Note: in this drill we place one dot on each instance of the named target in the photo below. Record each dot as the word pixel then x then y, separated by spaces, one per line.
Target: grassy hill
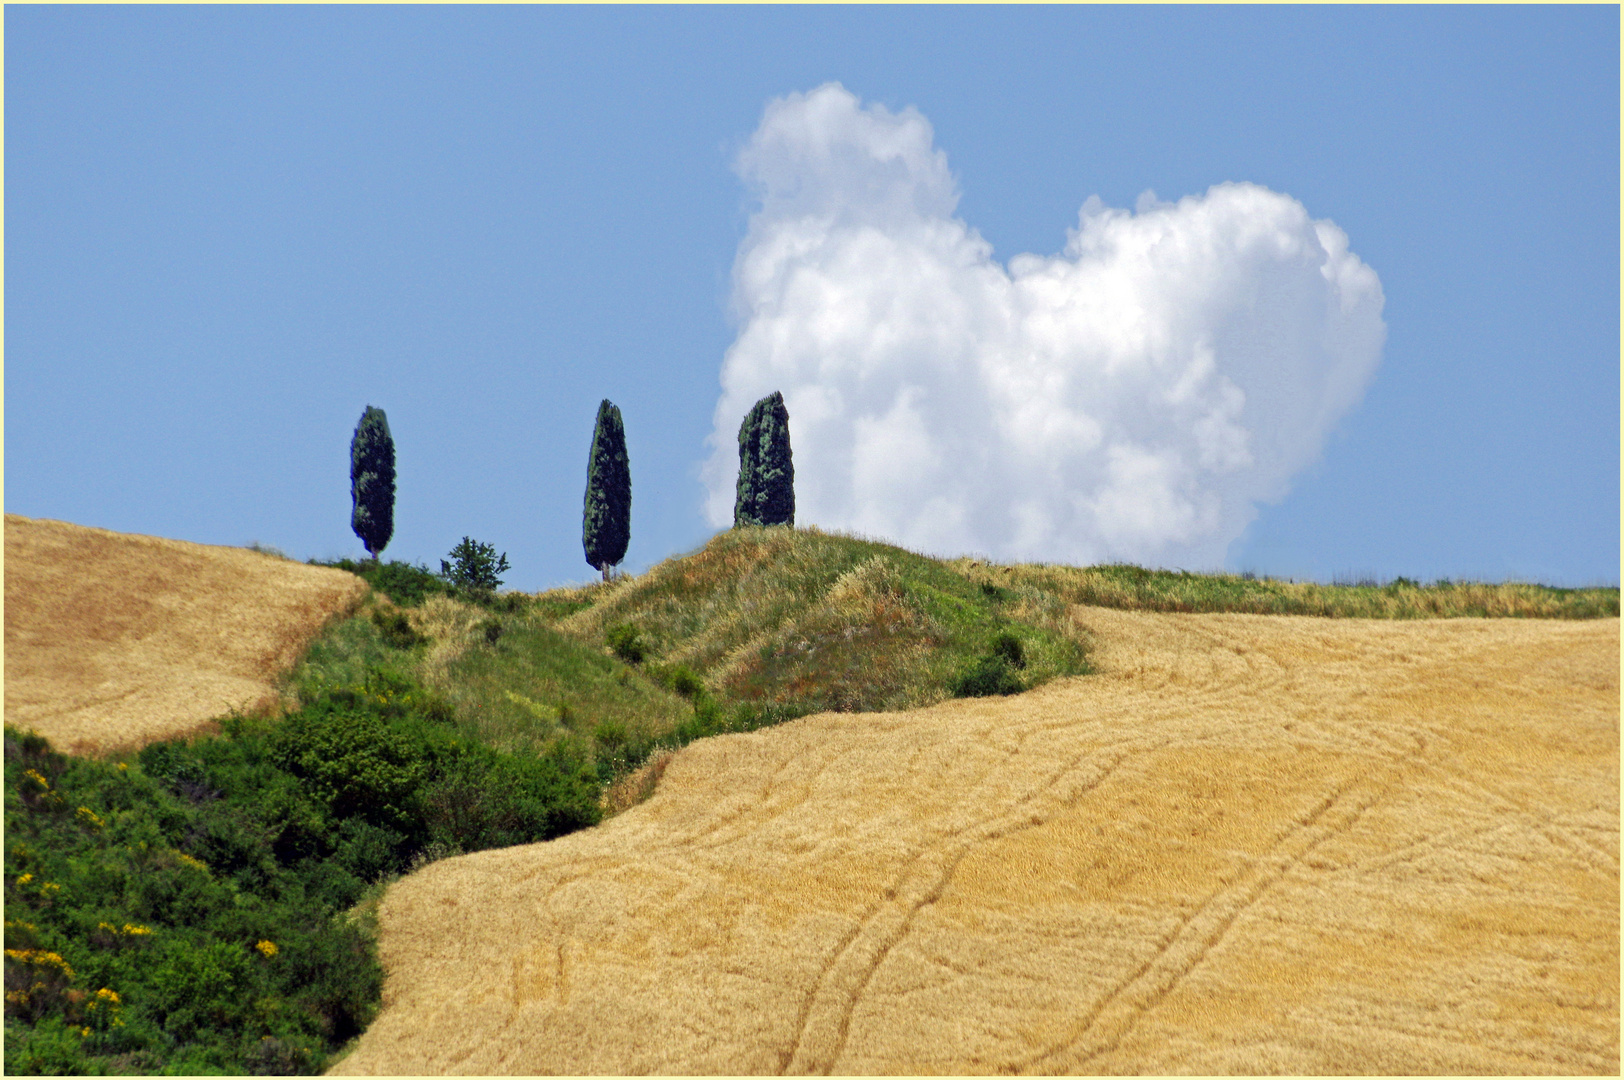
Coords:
pixel 764 624
pixel 436 722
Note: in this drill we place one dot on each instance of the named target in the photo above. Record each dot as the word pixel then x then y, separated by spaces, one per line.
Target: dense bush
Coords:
pixel 396 631
pixel 405 584
pixel 625 642
pixel 474 567
pixel 177 912
pixel 987 676
pixel 1009 647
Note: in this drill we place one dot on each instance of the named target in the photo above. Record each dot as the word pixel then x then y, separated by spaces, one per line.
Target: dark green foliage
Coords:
pixel 492 629
pixel 396 631
pixel 405 584
pixel 624 641
pixel 606 518
pixel 474 567
pixel 211 846
pixel 372 481
pixel 987 676
pixel 765 494
pixel 993 673
pixel 681 680
pixel 1008 646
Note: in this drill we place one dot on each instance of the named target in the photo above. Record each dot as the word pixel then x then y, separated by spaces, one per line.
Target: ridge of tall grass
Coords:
pixel 1135 588
pixel 800 617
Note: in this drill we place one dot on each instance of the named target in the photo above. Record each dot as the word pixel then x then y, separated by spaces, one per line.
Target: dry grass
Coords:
pixel 637 786
pixel 823 621
pixel 452 628
pixel 114 640
pixel 1249 845
pixel 1133 588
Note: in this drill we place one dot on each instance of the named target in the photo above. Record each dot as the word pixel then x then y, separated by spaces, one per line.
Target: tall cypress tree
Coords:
pixel 766 490
pixel 606 519
pixel 744 497
pixel 372 481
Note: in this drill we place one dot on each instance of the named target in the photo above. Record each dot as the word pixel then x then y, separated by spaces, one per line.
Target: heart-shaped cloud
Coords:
pixel 1132 398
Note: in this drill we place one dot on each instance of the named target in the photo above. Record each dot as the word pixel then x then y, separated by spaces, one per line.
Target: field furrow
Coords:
pixel 1249 844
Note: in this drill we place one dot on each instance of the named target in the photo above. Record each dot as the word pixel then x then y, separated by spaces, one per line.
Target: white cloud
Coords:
pixel 1132 398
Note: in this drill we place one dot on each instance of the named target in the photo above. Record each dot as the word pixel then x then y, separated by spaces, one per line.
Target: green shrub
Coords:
pixel 405 584
pixel 987 676
pixel 625 642
pixel 681 679
pixel 396 631
pixel 474 566
pixel 1008 646
pixel 355 763
pixel 49 1048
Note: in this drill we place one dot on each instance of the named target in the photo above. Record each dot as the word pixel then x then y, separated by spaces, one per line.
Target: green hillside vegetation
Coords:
pixel 808 621
pixel 206 905
pixel 1134 588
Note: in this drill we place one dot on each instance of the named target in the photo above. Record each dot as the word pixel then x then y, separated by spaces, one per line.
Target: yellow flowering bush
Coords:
pixel 268 948
pixel 38 794
pixel 111 936
pixel 36 980
pixel 104 1009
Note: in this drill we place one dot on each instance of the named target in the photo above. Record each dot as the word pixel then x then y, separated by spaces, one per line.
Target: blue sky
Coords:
pixel 228 230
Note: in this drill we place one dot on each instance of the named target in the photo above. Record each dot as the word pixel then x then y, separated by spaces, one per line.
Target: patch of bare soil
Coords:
pixel 115 640
pixel 1253 844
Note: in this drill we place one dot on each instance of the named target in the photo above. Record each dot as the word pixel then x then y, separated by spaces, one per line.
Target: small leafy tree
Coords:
pixel 474 566
pixel 766 489
pixel 606 519
pixel 372 481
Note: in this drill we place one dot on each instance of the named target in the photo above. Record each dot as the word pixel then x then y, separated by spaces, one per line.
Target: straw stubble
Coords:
pixel 1250 844
pixel 114 640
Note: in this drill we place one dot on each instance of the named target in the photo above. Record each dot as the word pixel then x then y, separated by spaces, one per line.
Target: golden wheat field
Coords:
pixel 1251 844
pixel 114 639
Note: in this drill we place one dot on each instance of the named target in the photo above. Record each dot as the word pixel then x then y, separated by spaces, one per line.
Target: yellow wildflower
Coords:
pixel 123 767
pixel 109 996
pixel 41 958
pixel 49 888
pixel 196 864
pixel 44 784
pixel 268 948
pixel 25 879
pixel 135 930
pixel 90 815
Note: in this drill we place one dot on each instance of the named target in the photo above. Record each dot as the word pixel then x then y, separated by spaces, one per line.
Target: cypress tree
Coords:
pixel 744 498
pixel 372 481
pixel 766 490
pixel 606 519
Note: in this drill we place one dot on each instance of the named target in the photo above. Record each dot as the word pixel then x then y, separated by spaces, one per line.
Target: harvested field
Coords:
pixel 1252 844
pixel 114 640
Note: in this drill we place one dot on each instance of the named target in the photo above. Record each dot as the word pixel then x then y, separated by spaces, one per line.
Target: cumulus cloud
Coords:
pixel 1134 397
